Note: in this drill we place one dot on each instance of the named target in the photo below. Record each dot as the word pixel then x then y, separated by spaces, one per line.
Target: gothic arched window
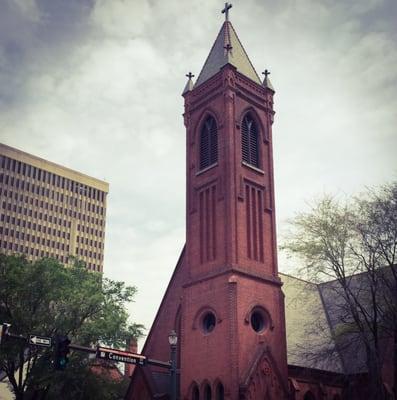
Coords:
pixel 220 392
pixel 208 143
pixel 195 393
pixel 207 392
pixel 309 396
pixel 250 141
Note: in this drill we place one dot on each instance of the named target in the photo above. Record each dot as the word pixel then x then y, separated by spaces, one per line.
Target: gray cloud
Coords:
pixel 96 86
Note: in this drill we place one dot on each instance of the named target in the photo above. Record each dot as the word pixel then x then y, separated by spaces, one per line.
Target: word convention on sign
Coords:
pixel 120 356
pixel 63 346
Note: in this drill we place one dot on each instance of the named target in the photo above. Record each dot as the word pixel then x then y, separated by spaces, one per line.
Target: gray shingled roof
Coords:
pixel 220 56
pixel 309 339
pixel 316 314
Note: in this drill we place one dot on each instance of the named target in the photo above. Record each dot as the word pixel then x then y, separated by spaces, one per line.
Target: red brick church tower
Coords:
pixel 224 299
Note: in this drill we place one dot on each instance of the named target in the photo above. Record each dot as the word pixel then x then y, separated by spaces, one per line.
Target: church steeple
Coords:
pixel 227 49
pixel 225 298
pixel 231 288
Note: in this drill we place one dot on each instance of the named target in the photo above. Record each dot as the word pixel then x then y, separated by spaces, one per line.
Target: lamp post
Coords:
pixel 173 340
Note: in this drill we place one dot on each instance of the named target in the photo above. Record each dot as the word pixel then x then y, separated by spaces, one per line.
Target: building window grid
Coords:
pixel 94 210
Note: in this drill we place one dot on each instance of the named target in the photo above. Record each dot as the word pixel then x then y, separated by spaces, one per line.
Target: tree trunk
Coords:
pixel 374 376
pixel 394 388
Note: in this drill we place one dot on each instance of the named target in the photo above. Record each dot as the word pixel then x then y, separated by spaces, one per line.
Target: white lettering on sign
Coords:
pixel 40 340
pixel 120 356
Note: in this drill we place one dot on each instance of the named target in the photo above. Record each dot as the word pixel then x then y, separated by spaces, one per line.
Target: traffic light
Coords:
pixel 61 352
pixel 3 331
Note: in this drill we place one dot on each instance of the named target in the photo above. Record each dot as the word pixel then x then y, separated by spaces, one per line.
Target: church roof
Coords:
pixel 310 343
pixel 227 49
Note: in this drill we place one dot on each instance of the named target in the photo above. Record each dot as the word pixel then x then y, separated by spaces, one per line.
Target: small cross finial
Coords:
pixel 226 11
pixel 266 72
pixel 189 75
pixel 228 47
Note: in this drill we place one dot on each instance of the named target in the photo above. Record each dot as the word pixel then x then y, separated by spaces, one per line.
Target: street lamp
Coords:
pixel 173 340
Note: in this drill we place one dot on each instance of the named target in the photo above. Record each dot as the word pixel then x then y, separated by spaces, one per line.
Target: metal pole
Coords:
pixel 173 372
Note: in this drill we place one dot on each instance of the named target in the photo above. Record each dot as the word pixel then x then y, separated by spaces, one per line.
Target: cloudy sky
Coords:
pixel 96 86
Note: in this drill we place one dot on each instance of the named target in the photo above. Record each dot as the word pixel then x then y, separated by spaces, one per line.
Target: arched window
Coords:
pixel 220 392
pixel 207 392
pixel 250 141
pixel 309 396
pixel 208 143
pixel 195 393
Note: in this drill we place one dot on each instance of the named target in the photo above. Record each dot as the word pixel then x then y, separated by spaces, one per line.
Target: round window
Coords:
pixel 208 322
pixel 258 320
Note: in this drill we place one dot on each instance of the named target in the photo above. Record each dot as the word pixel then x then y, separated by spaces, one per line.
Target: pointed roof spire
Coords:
pixel 189 84
pixel 227 49
pixel 266 81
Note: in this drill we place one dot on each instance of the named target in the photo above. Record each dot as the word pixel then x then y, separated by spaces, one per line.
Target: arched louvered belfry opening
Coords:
pixel 208 143
pixel 250 141
pixel 220 391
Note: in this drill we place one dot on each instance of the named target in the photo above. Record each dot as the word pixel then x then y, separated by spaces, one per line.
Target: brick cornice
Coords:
pixel 235 271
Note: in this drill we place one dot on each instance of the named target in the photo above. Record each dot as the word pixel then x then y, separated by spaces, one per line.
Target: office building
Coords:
pixel 47 210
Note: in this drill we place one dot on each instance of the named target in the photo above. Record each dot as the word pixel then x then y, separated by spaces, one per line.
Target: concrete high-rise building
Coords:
pixel 47 210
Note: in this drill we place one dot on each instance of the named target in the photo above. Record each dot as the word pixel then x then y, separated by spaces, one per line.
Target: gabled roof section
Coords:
pixel 227 49
pixel 310 343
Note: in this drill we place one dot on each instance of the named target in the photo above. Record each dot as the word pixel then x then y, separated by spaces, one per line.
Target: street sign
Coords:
pixel 42 341
pixel 120 356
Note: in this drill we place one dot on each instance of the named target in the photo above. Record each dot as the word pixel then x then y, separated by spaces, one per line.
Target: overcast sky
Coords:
pixel 96 86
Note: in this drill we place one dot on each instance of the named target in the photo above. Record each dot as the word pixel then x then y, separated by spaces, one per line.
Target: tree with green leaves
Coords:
pixel 43 297
pixel 354 244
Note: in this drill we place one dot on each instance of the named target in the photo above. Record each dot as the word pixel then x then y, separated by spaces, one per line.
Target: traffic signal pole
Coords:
pixel 63 345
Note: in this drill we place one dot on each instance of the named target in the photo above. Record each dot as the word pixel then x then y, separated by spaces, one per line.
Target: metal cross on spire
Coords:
pixel 228 47
pixel 226 10
pixel 189 75
pixel 266 72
